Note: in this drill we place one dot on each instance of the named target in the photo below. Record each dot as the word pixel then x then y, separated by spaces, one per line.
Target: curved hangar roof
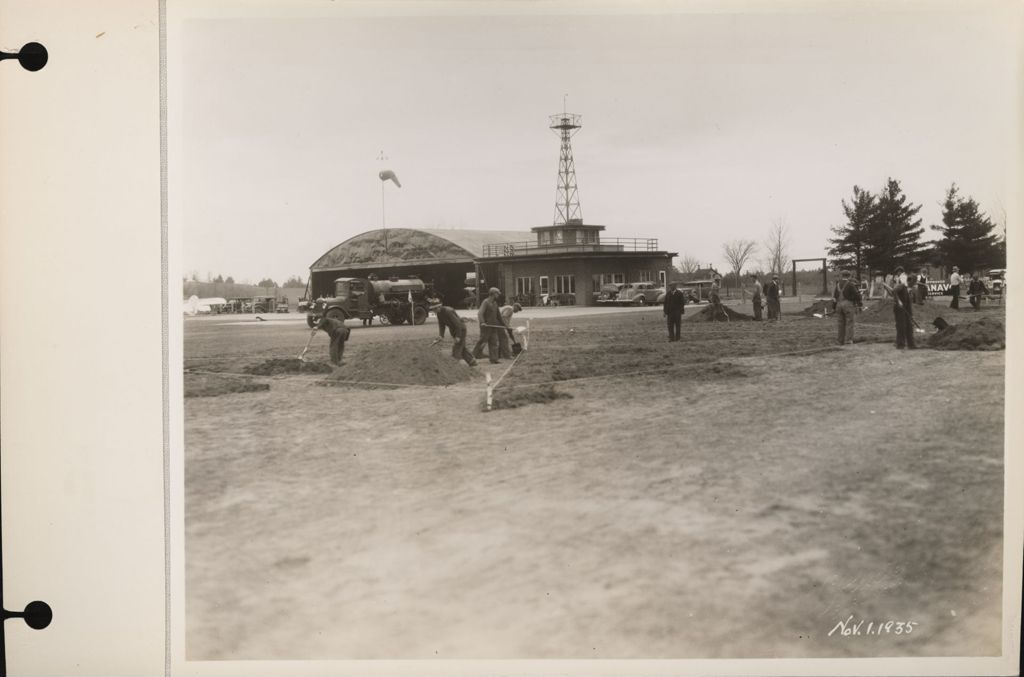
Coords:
pixel 413 246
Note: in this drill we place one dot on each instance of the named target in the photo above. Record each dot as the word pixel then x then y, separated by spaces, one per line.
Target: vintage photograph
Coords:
pixel 617 331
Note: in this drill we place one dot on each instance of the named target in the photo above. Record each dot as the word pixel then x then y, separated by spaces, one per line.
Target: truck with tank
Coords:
pixel 391 301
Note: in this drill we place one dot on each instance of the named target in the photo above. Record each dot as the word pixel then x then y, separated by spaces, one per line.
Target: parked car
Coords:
pixel 998 278
pixel 639 293
pixel 262 304
pixel 609 292
pixel 689 292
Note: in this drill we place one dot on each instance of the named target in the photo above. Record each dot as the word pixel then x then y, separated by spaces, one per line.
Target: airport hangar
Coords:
pixel 568 262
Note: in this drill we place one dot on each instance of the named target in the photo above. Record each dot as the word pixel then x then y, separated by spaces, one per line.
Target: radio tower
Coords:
pixel 567 200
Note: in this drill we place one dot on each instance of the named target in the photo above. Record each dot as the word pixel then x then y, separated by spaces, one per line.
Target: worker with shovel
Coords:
pixel 758 305
pixel 772 291
pixel 489 317
pixel 903 312
pixel 338 332
pixel 848 300
pixel 976 291
pixel 715 299
pixel 447 317
pixel 507 336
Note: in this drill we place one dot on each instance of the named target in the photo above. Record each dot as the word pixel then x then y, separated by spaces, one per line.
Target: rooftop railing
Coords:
pixel 616 244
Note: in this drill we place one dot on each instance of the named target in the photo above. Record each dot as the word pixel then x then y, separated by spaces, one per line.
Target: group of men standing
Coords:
pixel 495 329
pixel 675 303
pixel 773 293
pixel 848 301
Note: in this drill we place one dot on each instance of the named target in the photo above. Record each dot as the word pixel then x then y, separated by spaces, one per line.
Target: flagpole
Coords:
pixel 383 222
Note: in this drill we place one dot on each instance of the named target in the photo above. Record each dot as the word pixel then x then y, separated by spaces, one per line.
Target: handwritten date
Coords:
pixel 852 627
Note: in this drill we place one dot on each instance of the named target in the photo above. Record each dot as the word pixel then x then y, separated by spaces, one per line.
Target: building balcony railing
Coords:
pixel 617 244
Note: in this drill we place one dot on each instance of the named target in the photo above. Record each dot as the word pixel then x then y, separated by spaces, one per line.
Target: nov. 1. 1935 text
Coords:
pixel 851 627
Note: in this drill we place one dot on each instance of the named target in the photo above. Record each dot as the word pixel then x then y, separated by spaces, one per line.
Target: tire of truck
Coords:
pixel 641 300
pixel 419 315
pixel 336 314
pixel 310 321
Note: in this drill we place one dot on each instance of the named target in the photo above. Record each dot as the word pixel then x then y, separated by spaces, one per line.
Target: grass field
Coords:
pixel 736 494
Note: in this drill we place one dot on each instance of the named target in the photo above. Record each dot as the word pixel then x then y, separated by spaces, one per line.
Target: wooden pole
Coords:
pixel 490 391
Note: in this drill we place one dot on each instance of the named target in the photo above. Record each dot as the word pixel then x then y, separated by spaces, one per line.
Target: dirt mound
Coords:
pixel 212 385
pixel 726 314
pixel 880 312
pixel 292 365
pixel 819 307
pixel 405 363
pixel 520 397
pixel 986 333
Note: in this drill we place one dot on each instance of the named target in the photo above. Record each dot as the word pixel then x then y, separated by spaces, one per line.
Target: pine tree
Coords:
pixel 848 247
pixel 968 240
pixel 893 233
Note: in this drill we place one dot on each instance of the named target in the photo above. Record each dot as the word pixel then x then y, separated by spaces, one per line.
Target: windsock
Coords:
pixel 388 174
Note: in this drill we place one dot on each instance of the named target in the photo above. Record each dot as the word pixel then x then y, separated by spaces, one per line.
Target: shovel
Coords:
pixel 302 355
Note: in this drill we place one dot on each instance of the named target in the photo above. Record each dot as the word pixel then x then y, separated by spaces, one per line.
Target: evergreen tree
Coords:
pixel 893 233
pixel 968 240
pixel 848 247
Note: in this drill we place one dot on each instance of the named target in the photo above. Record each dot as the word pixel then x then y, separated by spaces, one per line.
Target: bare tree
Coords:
pixel 688 264
pixel 736 253
pixel 777 249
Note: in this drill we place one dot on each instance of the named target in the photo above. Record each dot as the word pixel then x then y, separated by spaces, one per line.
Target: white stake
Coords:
pixel 490 391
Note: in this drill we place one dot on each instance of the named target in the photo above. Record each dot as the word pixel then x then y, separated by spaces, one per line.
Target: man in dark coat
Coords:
pixel 975 291
pixel 338 332
pixel 489 317
pixel 848 300
pixel 675 306
pixel 903 313
pixel 772 291
pixel 447 317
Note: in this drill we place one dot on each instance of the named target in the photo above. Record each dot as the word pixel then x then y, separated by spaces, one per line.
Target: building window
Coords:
pixel 524 286
pixel 661 277
pixel 645 276
pixel 565 284
pixel 542 282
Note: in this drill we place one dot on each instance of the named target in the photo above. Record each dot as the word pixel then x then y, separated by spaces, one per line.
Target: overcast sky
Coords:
pixel 698 127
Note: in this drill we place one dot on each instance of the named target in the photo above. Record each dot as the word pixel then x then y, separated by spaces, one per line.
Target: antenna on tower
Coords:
pixel 567 200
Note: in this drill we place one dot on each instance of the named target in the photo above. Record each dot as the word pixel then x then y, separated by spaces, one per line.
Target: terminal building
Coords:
pixel 566 262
